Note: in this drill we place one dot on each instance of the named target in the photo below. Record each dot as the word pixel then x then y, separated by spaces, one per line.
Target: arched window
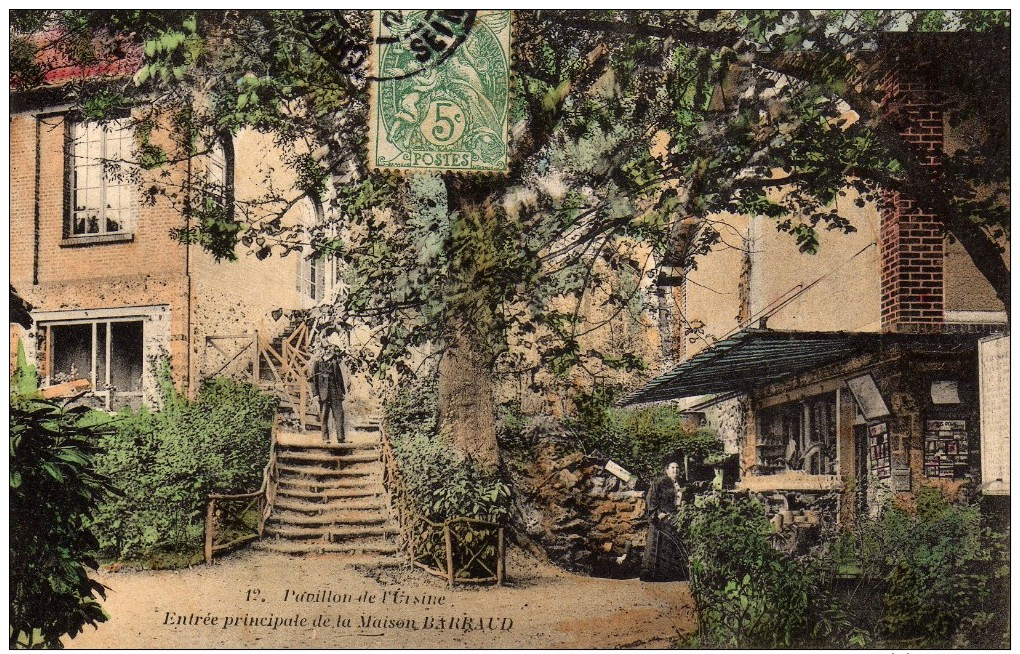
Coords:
pixel 218 185
pixel 312 276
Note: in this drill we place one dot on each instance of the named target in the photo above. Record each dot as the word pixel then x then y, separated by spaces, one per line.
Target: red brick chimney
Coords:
pixel 912 241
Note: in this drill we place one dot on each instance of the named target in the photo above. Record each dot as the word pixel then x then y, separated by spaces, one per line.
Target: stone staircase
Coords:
pixel 330 498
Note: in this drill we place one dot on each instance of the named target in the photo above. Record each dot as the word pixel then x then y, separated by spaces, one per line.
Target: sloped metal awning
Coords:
pixel 753 358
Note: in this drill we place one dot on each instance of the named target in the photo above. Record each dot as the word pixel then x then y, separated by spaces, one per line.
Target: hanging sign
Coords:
pixel 879 455
pixel 945 448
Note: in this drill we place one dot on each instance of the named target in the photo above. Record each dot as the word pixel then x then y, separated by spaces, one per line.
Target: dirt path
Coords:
pixel 235 603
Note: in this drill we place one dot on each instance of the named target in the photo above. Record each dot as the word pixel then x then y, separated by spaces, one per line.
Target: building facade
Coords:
pixel 850 378
pixel 99 248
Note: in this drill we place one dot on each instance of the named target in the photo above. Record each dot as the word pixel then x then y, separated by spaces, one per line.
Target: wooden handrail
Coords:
pixel 269 479
pixel 399 500
pixel 266 493
pixel 236 496
pixel 289 367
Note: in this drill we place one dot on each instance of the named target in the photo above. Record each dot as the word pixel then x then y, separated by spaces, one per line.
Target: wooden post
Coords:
pixel 449 552
pixel 500 559
pixel 210 516
pixel 255 376
pixel 303 409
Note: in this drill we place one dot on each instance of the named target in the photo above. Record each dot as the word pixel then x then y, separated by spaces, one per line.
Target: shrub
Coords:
pixel 54 487
pixel 638 439
pixel 440 482
pixel 167 463
pixel 941 573
pixel 936 577
pixel 747 593
pixel 511 431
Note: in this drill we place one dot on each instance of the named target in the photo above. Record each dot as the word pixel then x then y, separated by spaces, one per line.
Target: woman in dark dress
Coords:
pixel 664 558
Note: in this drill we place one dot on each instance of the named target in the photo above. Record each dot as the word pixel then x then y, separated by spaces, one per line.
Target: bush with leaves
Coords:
pixel 54 488
pixel 638 439
pixel 511 431
pixel 937 576
pixel 747 593
pixel 942 574
pixel 167 463
pixel 440 481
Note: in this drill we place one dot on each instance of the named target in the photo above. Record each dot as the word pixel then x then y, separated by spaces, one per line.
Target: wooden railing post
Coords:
pixel 302 416
pixel 256 358
pixel 500 559
pixel 449 552
pixel 210 517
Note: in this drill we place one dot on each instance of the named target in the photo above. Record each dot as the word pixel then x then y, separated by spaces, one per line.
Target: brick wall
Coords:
pixel 52 275
pixel 912 241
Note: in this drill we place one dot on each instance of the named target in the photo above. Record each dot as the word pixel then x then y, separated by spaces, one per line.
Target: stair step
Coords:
pixel 347 483
pixel 327 447
pixel 330 534
pixel 329 494
pixel 305 506
pixel 355 550
pixel 326 457
pixel 319 471
pixel 333 518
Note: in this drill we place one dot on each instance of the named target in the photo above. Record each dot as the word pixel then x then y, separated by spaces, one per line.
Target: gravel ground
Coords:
pixel 265 600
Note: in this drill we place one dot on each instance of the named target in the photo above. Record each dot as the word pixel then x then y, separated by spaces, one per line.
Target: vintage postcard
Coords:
pixel 508 329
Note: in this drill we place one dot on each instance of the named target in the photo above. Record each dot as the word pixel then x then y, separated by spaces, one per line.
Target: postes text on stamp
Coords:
pixel 440 90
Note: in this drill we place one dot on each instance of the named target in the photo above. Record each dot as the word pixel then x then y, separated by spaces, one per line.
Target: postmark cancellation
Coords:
pixel 440 90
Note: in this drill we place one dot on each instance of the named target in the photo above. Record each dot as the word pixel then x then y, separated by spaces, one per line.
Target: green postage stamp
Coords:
pixel 440 90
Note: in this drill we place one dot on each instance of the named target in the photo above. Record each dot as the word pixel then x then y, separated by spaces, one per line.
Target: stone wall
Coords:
pixel 728 418
pixel 580 515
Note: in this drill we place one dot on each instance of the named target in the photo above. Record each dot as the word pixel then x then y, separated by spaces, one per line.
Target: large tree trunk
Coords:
pixel 466 404
pixel 466 382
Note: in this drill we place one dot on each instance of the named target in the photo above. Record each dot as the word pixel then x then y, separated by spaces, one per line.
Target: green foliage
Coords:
pixel 943 574
pixel 936 577
pixel 167 463
pixel 150 155
pixel 24 380
pixel 55 486
pixel 769 113
pixel 747 593
pixel 171 53
pixel 510 430
pixel 444 485
pixel 439 481
pixel 639 439
pixel 99 105
pixel 216 230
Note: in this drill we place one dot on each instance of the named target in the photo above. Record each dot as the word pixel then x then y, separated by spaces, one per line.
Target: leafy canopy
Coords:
pixel 632 132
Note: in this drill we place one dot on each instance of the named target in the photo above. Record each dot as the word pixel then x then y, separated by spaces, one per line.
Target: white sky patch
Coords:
pixel 518 198
pixel 553 185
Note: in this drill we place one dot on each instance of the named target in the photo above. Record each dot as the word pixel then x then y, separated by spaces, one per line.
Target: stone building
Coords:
pixel 855 376
pixel 98 253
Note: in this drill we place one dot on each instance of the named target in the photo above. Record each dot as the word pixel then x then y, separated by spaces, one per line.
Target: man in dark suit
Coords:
pixel 330 388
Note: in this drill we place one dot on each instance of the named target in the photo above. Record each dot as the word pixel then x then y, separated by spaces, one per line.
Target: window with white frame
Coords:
pixel 313 270
pixel 799 436
pixel 217 187
pixel 102 185
pixel 108 353
pixel 312 280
